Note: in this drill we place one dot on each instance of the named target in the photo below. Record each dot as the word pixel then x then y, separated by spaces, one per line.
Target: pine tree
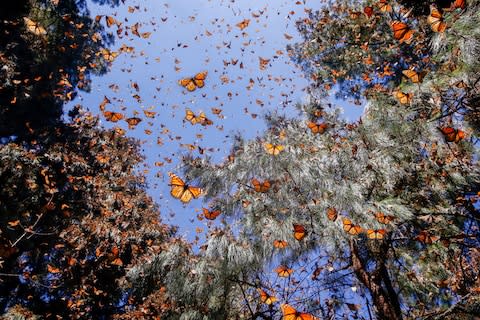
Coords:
pixel 341 218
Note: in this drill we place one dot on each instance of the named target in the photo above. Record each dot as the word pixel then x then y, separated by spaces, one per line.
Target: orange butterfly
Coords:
pixel 452 134
pixel 426 237
pixel 350 228
pixel 281 244
pixel 414 76
pixel 243 24
pixel 194 119
pixel 435 20
pixel 34 27
pixel 266 298
pixel 289 313
pixel 299 231
pixel 210 215
pixel 198 81
pixel 273 149
pixel 402 32
pixel 317 127
pixel 332 214
pixel 183 191
pixel 383 218
pixel 132 122
pixel 260 186
pixel 283 271
pixel 458 4
pixel 368 11
pixel 377 234
pixel 384 6
pixel 402 97
pixel 113 116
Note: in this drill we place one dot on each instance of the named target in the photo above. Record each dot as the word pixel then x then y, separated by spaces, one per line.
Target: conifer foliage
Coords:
pixel 326 218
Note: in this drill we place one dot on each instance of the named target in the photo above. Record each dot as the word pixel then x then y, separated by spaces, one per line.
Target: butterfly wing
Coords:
pixel 199 79
pixel 299 232
pixel 190 116
pixel 332 214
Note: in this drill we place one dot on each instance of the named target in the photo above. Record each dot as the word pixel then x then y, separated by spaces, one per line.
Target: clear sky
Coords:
pixel 187 37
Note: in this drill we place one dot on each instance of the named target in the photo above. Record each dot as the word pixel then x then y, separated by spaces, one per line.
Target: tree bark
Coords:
pixel 385 299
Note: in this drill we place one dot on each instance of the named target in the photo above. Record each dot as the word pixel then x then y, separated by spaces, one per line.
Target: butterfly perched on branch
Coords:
pixel 351 228
pixel 452 134
pixel 402 32
pixel 290 313
pixel 435 20
pixel 181 190
pixel 261 187
pixel 198 81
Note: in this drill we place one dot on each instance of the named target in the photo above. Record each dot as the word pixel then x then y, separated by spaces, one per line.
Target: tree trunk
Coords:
pixel 385 300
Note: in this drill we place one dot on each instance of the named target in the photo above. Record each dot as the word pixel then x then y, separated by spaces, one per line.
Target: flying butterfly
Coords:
pixel 261 187
pixel 283 271
pixel 198 81
pixel 435 20
pixel 351 228
pixel 280 244
pixel 182 191
pixel 402 32
pixel 273 149
pixel 266 298
pixel 377 234
pixel 210 214
pixel 243 24
pixel 112 116
pixel 133 122
pixel 452 134
pixel 317 127
pixel 290 313
pixel 414 76
pixel 299 232
pixel 194 119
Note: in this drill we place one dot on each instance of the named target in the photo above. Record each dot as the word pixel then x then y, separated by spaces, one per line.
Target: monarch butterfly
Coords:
pixel 368 11
pixel 299 231
pixel 132 122
pixel 383 218
pixel 452 134
pixel 317 127
pixel 266 298
pixel 281 244
pixel 384 6
pixel 426 237
pixel 198 81
pixel 34 27
pixel 289 313
pixel 458 4
pixel 402 97
pixel 332 214
pixel 183 191
pixel 402 32
pixel 283 271
pixel 260 186
pixel 350 228
pixel 355 14
pixel 414 76
pixel 194 119
pixel 210 215
pixel 435 20
pixel 110 21
pixel 243 24
pixel 113 116
pixel 273 149
pixel 377 234
pixel 149 114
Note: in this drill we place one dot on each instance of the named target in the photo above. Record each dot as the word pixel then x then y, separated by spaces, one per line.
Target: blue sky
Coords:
pixel 188 37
